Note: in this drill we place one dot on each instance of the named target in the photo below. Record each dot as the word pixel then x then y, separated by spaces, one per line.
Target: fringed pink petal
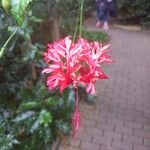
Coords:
pixel 47 70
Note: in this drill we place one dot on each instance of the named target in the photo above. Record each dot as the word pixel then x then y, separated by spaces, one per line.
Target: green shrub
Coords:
pixel 134 10
pixel 100 36
pixel 31 115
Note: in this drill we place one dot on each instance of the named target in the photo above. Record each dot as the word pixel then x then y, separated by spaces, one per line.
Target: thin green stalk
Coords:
pixel 76 28
pixel 81 17
pixel 6 43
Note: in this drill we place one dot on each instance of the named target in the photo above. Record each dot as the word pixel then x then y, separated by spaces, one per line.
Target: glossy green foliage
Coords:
pixel 7 139
pixel 37 118
pixel 19 9
pixel 35 115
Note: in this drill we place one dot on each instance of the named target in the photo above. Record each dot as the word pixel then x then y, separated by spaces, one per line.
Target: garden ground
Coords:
pixel 120 117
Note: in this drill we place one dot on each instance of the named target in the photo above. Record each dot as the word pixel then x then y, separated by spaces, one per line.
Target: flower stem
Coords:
pixel 76 119
pixel 81 17
pixel 77 99
pixel 8 40
pixel 76 28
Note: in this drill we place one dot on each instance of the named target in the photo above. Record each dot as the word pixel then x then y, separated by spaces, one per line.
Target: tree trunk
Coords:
pixel 54 19
pixel 55 32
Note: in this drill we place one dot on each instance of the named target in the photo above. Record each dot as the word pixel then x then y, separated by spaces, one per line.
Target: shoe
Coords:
pixel 97 24
pixel 105 26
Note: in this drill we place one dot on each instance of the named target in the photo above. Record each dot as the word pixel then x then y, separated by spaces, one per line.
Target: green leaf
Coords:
pixel 34 126
pixel 63 126
pixel 47 136
pixel 24 116
pixel 36 19
pixel 29 105
pixel 18 9
pixel 45 117
pixel 51 101
pixel 7 141
pixel 6 5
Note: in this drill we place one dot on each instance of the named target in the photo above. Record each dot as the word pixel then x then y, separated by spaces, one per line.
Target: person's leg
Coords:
pixel 98 15
pixel 103 15
pixel 106 17
pixel 105 25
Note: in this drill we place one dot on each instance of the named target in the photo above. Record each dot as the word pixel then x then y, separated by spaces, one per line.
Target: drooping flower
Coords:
pixel 70 63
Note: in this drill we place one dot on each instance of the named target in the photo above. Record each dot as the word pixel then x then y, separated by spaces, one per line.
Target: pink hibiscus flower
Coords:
pixel 70 63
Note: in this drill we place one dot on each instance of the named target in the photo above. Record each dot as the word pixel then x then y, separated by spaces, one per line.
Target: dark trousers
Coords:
pixel 102 12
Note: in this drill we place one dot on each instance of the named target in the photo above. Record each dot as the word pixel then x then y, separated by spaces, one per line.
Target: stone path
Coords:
pixel 120 118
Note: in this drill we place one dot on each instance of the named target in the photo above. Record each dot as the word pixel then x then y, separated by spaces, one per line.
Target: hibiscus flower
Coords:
pixel 70 63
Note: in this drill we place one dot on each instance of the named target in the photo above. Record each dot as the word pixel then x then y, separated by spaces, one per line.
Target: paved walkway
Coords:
pixel 120 118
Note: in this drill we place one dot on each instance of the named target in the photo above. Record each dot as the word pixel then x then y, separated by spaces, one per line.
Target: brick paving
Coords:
pixel 120 117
